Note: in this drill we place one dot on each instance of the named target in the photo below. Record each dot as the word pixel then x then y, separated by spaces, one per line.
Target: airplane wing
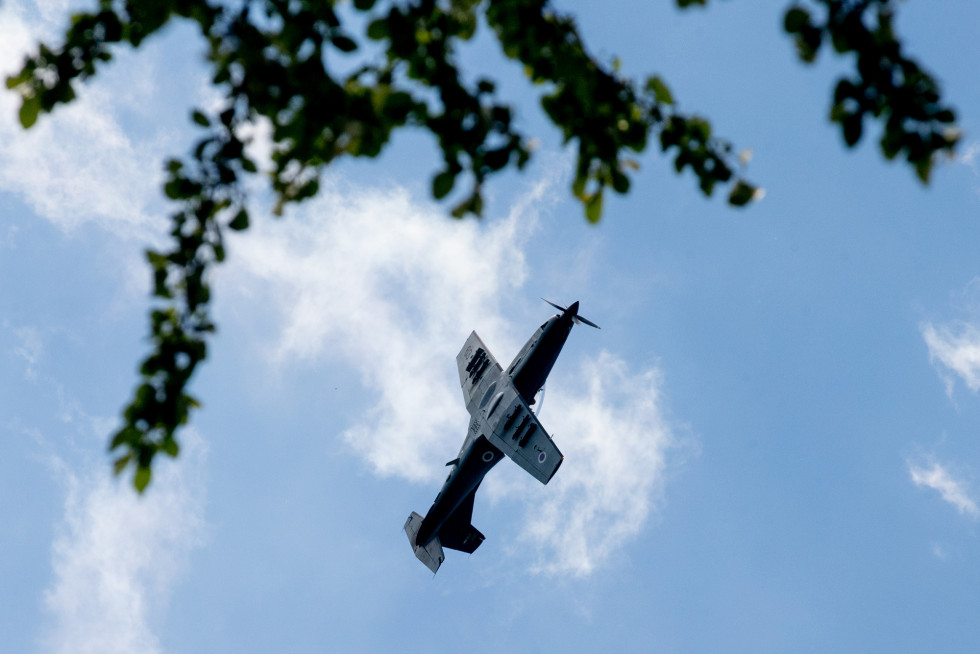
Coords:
pixel 478 370
pixel 501 414
pixel 515 430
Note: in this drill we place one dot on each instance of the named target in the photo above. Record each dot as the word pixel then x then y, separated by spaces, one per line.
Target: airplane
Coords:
pixel 501 422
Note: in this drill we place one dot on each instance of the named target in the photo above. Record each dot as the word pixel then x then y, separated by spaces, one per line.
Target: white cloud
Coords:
pixel 958 351
pixel 615 438
pixel 77 165
pixel 21 25
pixel 392 289
pixel 116 555
pixel 938 478
pixel 372 280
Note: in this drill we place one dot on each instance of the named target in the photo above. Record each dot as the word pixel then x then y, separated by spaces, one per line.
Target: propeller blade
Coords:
pixel 577 319
pixel 562 309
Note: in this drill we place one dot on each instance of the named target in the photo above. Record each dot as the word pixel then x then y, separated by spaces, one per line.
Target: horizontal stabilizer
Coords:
pixel 464 540
pixel 431 554
pixel 457 533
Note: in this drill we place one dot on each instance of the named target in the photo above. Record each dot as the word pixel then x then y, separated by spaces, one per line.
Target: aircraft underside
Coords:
pixel 501 423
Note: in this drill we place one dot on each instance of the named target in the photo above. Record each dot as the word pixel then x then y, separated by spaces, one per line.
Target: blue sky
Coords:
pixel 771 446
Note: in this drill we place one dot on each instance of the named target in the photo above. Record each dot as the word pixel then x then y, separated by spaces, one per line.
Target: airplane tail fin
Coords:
pixel 431 554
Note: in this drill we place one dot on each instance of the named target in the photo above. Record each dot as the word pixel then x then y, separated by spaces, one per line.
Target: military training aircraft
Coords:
pixel 501 422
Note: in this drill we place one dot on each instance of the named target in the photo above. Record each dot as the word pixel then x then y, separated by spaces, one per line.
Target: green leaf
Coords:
pixel 922 169
pixel 120 464
pixel 16 80
pixel 156 259
pixel 121 437
pixel 795 20
pixel 578 187
pixel 851 124
pixel 29 110
pixel 442 184
pixel 593 207
pixel 363 5
pixel 200 119
pixel 240 221
pixel 660 90
pixel 808 43
pixel 471 205
pixel 620 182
pixel 142 478
pixel 742 194
pixel 172 189
pixel 171 447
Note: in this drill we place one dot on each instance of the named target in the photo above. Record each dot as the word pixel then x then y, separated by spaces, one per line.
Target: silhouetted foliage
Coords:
pixel 269 60
pixel 886 84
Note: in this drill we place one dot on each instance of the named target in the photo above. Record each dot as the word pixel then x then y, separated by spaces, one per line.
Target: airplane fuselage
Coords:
pixel 475 461
pixel 532 365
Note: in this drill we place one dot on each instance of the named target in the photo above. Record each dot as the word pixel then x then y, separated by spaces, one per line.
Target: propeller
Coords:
pixel 573 310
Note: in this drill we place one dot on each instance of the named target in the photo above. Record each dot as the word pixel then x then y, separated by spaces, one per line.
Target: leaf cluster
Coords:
pixel 886 85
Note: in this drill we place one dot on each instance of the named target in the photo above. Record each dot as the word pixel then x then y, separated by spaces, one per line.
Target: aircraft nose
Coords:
pixel 573 309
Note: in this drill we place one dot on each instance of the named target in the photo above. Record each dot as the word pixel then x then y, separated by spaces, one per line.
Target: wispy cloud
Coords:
pixel 616 439
pixel 954 345
pixel 77 165
pixel 956 350
pixel 935 476
pixel 371 279
pixel 391 289
pixel 116 556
